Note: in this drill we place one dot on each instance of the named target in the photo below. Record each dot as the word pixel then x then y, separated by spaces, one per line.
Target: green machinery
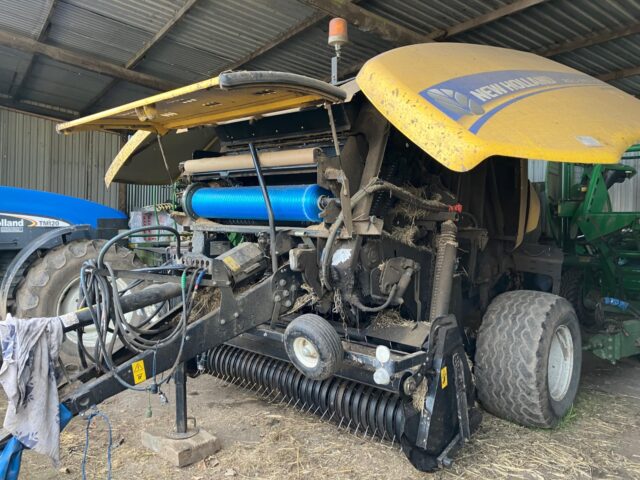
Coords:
pixel 601 268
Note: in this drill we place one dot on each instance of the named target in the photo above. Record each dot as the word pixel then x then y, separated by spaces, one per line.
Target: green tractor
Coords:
pixel 601 268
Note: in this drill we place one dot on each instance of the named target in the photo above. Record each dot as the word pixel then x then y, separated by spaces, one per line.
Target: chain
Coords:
pixel 339 309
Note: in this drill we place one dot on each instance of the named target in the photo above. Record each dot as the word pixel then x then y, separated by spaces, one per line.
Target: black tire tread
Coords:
pixel 41 275
pixel 509 354
pixel 326 334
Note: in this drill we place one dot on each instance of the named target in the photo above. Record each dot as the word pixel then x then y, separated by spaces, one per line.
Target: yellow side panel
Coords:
pixel 123 155
pixel 464 103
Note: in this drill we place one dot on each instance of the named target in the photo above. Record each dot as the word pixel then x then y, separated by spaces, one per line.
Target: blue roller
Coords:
pixel 290 203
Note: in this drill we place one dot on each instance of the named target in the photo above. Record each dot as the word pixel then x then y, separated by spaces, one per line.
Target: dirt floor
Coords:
pixel 599 439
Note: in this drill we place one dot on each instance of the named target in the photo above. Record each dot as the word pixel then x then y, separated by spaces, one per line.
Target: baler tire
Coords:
pixel 512 357
pixel 47 278
pixel 571 287
pixel 321 334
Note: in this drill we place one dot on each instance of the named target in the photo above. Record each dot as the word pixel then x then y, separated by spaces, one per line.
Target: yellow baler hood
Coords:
pixel 464 103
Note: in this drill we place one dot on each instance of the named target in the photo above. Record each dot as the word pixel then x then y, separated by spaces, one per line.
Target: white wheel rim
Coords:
pixel 68 302
pixel 560 365
pixel 306 352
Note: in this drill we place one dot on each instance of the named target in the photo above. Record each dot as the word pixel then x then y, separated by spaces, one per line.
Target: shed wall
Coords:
pixel 33 155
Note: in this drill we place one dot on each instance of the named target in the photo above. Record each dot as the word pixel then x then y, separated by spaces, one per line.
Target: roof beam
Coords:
pixel 400 35
pixel 619 74
pixel 17 89
pixel 37 108
pixel 588 40
pixel 29 45
pixel 142 52
pixel 498 13
pixel 175 18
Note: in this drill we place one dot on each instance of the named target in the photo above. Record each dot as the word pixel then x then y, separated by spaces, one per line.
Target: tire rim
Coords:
pixel 560 365
pixel 306 352
pixel 68 302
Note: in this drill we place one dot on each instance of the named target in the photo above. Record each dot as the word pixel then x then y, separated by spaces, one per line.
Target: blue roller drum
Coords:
pixel 290 203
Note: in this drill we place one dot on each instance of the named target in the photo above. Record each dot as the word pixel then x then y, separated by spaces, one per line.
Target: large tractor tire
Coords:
pixel 51 285
pixel 528 358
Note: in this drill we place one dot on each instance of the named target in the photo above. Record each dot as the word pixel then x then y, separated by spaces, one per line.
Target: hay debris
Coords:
pixel 391 318
pixel 207 300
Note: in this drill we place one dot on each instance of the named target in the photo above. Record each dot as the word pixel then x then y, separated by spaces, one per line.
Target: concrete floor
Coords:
pixel 599 439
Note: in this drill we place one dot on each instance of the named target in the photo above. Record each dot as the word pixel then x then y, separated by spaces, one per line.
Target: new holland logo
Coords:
pixel 11 226
pixel 11 223
pixel 455 102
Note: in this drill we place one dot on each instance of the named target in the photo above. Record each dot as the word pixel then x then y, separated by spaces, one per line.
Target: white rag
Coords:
pixel 29 354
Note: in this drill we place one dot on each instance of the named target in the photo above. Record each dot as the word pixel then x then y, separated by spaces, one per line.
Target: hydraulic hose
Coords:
pixel 376 185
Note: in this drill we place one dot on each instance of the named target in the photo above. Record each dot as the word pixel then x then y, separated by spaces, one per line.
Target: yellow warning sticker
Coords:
pixel 444 379
pixel 139 374
pixel 231 263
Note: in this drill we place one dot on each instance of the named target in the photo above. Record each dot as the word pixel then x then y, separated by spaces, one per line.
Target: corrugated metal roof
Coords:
pixel 230 29
pixel 84 31
pixel 12 67
pixel 309 53
pixel 425 17
pixel 180 63
pixel 216 33
pixel 55 83
pixel 25 17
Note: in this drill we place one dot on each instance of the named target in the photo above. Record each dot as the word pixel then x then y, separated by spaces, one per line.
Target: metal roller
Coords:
pixel 290 203
pixel 352 404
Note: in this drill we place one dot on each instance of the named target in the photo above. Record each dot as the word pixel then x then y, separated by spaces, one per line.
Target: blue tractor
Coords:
pixel 44 240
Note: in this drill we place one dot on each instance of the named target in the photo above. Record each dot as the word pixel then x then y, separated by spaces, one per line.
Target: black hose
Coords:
pixel 267 201
pixel 375 185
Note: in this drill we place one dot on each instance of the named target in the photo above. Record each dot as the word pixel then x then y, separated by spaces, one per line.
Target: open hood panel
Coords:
pixel 464 103
pixel 231 96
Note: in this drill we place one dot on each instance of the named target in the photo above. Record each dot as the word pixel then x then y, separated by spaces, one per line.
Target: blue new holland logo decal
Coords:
pixel 478 97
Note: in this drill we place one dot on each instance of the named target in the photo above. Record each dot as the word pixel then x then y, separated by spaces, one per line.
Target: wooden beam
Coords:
pixel 400 35
pixel 36 108
pixel 175 18
pixel 619 74
pixel 142 52
pixel 498 13
pixel 588 40
pixel 29 45
pixel 368 21
pixel 17 89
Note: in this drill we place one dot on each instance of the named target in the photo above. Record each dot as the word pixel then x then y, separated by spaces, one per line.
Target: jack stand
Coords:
pixel 183 446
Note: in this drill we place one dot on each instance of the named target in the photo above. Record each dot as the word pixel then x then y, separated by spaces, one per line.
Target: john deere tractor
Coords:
pixel 601 275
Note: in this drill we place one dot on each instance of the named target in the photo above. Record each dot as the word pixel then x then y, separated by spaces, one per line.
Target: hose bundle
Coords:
pixel 101 295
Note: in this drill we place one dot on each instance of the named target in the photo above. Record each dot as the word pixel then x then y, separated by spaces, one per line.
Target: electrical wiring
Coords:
pixel 100 293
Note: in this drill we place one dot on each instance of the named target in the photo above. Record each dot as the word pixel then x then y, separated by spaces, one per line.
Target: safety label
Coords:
pixel 444 379
pixel 139 374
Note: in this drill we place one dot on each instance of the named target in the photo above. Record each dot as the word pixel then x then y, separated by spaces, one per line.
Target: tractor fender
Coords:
pixel 19 260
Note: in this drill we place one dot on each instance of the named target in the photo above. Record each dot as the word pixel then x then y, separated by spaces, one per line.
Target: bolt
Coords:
pixel 214 283
pixel 277 298
pixel 287 303
pixel 282 282
pixel 227 283
pixel 236 314
pixel 285 293
pixel 222 321
pixel 410 386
